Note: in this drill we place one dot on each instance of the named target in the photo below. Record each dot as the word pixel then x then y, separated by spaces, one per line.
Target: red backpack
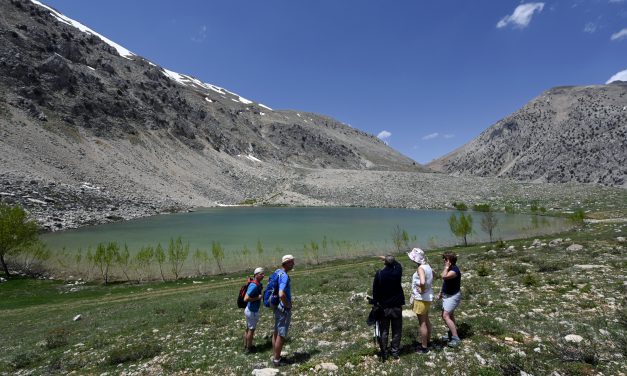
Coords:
pixel 242 292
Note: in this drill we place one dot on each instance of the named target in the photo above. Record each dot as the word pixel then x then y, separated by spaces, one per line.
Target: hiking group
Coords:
pixel 388 299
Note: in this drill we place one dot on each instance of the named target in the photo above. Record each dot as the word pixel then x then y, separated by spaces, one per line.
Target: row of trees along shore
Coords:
pixel 19 241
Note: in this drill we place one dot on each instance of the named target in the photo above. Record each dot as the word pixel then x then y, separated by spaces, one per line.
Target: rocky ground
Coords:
pixel 548 306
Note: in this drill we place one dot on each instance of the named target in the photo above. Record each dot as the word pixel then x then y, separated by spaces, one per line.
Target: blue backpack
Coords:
pixel 271 295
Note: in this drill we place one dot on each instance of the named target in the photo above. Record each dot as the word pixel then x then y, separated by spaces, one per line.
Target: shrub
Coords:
pixel 135 352
pixel 460 206
pixel 550 266
pixel 16 232
pixel 578 216
pixel 530 280
pixel 515 269
pixel 24 360
pixel 57 337
pixel 483 270
pixel 485 371
pixel 400 238
pixel 482 208
pixel 461 227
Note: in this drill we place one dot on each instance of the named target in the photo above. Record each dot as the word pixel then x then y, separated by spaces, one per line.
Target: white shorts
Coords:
pixel 450 302
pixel 252 318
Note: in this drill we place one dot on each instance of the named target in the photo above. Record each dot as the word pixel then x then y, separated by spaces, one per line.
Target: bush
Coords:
pixel 460 206
pixel 483 270
pixel 530 280
pixel 134 352
pixel 515 269
pixel 548 266
pixel 482 208
pixel 57 337
pixel 23 360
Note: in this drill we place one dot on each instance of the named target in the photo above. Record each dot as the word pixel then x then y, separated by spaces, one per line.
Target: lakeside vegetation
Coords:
pixel 530 306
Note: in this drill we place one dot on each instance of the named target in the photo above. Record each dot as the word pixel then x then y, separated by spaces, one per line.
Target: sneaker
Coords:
pixel 422 350
pixel 445 338
pixel 454 342
pixel 395 356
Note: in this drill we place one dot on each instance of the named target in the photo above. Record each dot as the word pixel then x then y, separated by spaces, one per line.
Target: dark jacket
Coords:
pixel 386 287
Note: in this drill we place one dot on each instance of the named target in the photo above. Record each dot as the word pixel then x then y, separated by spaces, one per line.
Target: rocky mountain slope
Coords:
pixel 567 134
pixel 77 110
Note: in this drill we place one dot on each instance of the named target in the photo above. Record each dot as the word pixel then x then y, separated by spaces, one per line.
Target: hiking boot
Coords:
pixel 395 356
pixel 281 362
pixel 454 342
pixel 422 350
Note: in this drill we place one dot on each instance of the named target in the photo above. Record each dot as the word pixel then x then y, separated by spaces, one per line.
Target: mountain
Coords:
pixel 86 124
pixel 567 134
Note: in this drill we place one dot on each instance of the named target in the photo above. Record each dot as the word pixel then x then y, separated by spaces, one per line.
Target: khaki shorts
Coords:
pixel 420 307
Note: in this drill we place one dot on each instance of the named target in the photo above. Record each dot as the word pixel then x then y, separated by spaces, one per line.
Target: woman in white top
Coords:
pixel 422 296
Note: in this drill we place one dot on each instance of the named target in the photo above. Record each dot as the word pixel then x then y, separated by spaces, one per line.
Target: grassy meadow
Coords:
pixel 540 310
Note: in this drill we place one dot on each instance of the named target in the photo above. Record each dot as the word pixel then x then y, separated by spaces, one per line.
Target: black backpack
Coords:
pixel 242 292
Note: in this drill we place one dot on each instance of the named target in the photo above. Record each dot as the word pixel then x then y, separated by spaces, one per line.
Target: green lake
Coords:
pixel 348 231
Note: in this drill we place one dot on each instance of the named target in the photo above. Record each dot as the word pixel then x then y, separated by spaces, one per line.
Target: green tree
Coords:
pixel 400 238
pixel 315 251
pixel 218 254
pixel 160 258
pixel 105 257
pixel 259 248
pixel 461 227
pixel 177 254
pixel 16 233
pixel 143 260
pixel 489 222
pixel 201 259
pixel 122 259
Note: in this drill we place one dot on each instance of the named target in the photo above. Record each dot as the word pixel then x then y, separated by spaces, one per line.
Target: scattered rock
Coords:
pixel 574 338
pixel 77 317
pixel 555 242
pixel 408 313
pixel 620 239
pixel 2 280
pixel 265 372
pixel 574 247
pixel 329 367
pixel 358 297
pixel 536 243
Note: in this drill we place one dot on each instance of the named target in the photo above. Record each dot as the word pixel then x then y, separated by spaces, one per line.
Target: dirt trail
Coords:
pixel 101 300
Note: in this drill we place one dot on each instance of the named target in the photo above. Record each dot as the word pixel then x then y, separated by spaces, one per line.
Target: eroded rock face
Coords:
pixel 567 134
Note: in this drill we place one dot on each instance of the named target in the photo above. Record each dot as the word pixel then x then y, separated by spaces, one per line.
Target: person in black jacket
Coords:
pixel 388 293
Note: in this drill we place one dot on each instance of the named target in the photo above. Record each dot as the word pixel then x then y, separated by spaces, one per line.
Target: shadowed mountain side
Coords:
pixel 567 134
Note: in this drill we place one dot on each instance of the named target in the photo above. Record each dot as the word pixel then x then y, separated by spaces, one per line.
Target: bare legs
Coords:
pixel 277 345
pixel 248 338
pixel 424 330
pixel 449 320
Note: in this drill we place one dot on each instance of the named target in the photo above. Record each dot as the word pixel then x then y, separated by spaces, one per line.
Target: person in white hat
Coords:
pixel 253 299
pixel 283 310
pixel 422 296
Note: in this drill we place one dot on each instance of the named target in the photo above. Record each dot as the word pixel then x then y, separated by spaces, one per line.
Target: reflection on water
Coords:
pixel 261 235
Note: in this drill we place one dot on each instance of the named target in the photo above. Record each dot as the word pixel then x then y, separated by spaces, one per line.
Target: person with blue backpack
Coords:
pixel 251 312
pixel 278 296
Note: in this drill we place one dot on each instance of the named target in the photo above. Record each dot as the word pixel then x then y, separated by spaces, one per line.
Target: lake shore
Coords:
pixel 73 204
pixel 530 306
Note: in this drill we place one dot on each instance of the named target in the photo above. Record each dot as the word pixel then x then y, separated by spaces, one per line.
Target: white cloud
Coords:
pixel 522 15
pixel 384 135
pixel 590 27
pixel 620 35
pixel 448 135
pixel 201 34
pixel 431 136
pixel 620 76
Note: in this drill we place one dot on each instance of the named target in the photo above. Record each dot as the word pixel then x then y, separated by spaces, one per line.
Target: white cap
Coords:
pixel 258 270
pixel 286 258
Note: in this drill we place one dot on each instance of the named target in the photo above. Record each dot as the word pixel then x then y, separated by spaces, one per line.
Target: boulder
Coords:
pixel 620 239
pixel 574 338
pixel 574 247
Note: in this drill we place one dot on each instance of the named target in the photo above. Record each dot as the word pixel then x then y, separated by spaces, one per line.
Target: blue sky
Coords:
pixel 427 76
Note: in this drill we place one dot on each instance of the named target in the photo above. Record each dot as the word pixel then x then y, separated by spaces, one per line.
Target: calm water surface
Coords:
pixel 349 231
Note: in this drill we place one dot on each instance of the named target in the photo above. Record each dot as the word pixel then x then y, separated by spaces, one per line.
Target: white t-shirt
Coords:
pixel 427 295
